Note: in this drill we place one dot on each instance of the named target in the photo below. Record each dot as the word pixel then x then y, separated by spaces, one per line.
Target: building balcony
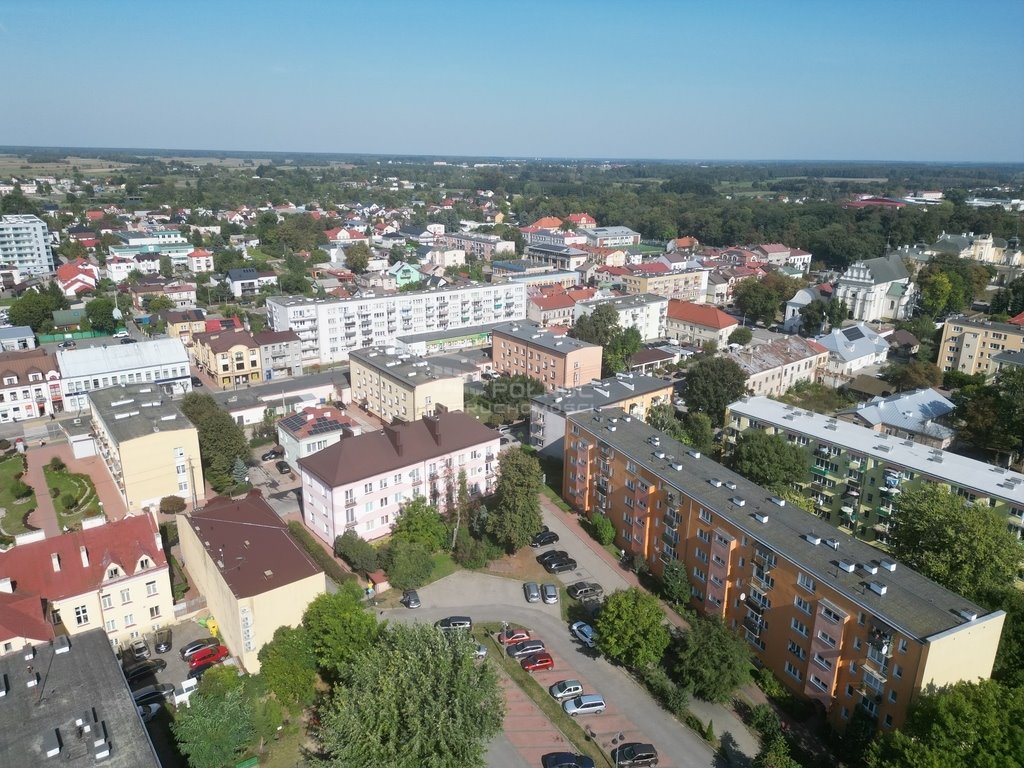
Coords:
pixel 753 624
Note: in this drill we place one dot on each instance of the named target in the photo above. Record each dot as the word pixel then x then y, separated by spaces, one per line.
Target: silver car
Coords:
pixel 566 689
pixel 532 592
pixel 587 704
pixel 549 592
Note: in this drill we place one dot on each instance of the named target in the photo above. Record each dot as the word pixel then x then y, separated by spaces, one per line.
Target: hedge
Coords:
pixel 335 572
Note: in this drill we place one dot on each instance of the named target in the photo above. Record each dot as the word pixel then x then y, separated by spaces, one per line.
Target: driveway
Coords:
pixel 490 598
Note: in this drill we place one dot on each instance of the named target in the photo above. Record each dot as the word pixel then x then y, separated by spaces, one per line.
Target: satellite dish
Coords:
pixel 743 596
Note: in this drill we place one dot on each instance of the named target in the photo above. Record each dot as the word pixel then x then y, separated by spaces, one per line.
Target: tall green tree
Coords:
pixel 166 266
pixel 991 416
pixel 221 439
pixel 214 731
pixel 631 628
pixel 357 257
pixel 602 327
pixel 712 661
pixel 340 630
pixel 769 460
pixel 409 564
pixel 964 547
pixel 288 667
pixel 917 374
pixel 420 523
pixel 711 384
pixel 516 514
pixel 100 312
pixel 1010 300
pixel 757 301
pixel 413 698
pixel 35 309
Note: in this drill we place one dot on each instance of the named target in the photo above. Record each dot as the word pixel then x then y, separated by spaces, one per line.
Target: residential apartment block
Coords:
pixel 25 244
pixel 477 246
pixel 835 619
pixel 330 328
pixel 30 385
pixel 918 415
pixel 231 357
pixel 148 246
pixel 644 311
pixel 246 282
pixel 109 575
pixel 683 284
pixel 633 393
pixel 396 386
pixel 610 237
pixel 698 324
pixel 555 360
pixel 361 482
pixel 775 367
pixel 969 345
pixel 280 354
pixel 562 257
pixel 270 580
pixel 855 473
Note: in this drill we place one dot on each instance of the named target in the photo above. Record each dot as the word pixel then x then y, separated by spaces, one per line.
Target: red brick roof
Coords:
pixel 699 314
pixel 548 222
pixel 1017 320
pixel 22 616
pixel 554 301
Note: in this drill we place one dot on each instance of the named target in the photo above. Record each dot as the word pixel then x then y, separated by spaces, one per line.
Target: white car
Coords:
pixel 120 335
pixel 480 651
pixel 587 704
pixel 584 633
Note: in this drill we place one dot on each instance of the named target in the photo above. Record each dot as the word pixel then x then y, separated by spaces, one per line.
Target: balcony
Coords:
pixel 754 624
pixel 671 522
pixel 762 581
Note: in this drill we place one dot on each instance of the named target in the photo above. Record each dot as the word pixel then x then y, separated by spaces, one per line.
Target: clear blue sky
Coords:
pixel 780 79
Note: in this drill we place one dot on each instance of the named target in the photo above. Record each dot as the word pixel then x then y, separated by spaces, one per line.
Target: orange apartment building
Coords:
pixel 525 349
pixel 838 621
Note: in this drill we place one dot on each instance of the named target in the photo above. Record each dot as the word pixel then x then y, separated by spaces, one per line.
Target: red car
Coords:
pixel 209 656
pixel 538 661
pixel 512 636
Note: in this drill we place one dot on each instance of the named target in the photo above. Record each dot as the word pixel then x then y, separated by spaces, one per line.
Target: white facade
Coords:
pixel 876 289
pixel 643 311
pixel 611 237
pixel 330 328
pixel 25 244
pixel 118 267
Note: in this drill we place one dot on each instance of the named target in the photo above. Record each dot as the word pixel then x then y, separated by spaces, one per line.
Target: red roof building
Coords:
pixel 698 324
pixel 76 277
pixel 582 220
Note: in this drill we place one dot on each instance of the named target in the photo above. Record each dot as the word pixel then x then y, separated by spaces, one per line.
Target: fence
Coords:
pixel 49 338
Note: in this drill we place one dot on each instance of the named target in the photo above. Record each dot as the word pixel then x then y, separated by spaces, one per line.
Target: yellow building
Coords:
pixel 149 447
pixel 688 285
pixel 184 324
pixel 110 576
pixel 254 575
pixel 839 622
pixel 231 357
pixel 399 386
pixel 969 345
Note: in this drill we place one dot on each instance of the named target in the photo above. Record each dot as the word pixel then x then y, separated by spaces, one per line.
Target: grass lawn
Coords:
pixel 817 398
pixel 16 508
pixel 80 487
pixel 443 566
pixel 286 751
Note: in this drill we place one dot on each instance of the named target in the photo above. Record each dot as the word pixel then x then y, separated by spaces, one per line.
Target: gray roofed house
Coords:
pixel 17 337
pixel 853 348
pixel 915 415
pixel 1008 360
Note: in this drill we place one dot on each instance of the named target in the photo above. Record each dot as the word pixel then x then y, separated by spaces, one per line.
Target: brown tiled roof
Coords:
pixel 22 616
pixel 21 363
pixel 253 544
pixel 700 314
pixel 222 341
pixel 396 446
pixel 275 337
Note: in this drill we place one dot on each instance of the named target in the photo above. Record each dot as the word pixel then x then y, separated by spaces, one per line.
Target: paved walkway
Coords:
pixel 45 515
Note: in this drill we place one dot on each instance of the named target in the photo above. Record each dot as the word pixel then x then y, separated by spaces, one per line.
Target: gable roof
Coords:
pixel 886 269
pixel 552 302
pixel 910 411
pixel 764 357
pixel 699 314
pixel 853 342
pixel 315 421
pixel 222 341
pixel 547 222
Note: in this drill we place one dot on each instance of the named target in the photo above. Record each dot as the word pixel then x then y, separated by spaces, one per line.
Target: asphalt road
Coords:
pixel 491 598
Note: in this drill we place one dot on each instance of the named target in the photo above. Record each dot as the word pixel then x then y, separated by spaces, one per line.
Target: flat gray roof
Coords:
pixel 976 476
pixel 410 369
pixel 16 332
pixel 912 604
pixel 137 410
pixel 600 393
pixel 232 400
pixel 534 335
pixel 113 358
pixel 450 333
pixel 86 679
pixel 633 300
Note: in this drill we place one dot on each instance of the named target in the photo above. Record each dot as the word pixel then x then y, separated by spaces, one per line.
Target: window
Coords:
pixel 827 639
pixel 805 581
pixel 129 619
pixel 398 478
pixel 179 453
pixel 799 627
pixel 704 516
pixel 822 662
pixel 383 483
pixel 383 502
pixel 903 646
pixel 803 605
pixel 368 488
pixel 888 721
pixel 81 616
pixel 796 650
pixel 144 563
pixel 106 601
pixel 113 572
pixel 183 485
pixel 793 672
pixel 150 588
pixel 126 596
pixel 111 625
pixel 154 612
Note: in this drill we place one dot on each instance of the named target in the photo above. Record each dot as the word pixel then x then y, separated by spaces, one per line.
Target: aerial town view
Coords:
pixel 563 385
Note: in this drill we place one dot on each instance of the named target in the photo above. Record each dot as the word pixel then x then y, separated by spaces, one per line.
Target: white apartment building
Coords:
pixel 557 256
pixel 25 244
pixel 478 246
pixel 611 237
pixel 330 328
pixel 644 311
pixel 160 361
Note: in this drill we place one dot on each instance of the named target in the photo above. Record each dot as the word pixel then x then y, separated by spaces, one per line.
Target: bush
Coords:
pixel 764 720
pixel 769 683
pixel 172 505
pixel 356 551
pixel 469 552
pixel 602 529
pixel 670 695
pixel 19 490
pixel 335 572
pixel 169 534
pixel 68 501
pixel 57 465
pixel 5 444
pixel 410 565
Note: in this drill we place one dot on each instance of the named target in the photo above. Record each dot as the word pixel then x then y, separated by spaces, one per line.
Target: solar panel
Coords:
pixel 852 334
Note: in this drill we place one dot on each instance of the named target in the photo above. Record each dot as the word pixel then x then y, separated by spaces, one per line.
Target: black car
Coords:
pixel 451 623
pixel 143 670
pixel 197 382
pixel 129 340
pixel 552 554
pixel 153 694
pixel 585 590
pixel 162 640
pixel 560 566
pixel 272 454
pixel 283 468
pixel 543 539
pixel 410 598
pixel 566 760
pixel 635 754
pixel 198 672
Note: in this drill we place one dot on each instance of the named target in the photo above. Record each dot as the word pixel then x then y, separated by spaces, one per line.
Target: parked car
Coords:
pixel 152 694
pixel 543 539
pixel 635 754
pixel 566 760
pixel 191 649
pixel 585 704
pixel 566 689
pixel 513 635
pixel 272 454
pixel 560 566
pixel 148 711
pixel 119 335
pixel 451 623
pixel 549 593
pixel 532 592
pixel 197 383
pixel 480 651
pixel 67 345
pixel 209 656
pixel 144 670
pixel 584 590
pixel 128 340
pixel 552 554
pixel 410 599
pixel 584 633
pixel 198 672
pixel 283 468
pixel 138 650
pixel 538 662
pixel 525 648
pixel 162 640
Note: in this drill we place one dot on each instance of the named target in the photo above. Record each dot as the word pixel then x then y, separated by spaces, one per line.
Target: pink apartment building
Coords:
pixel 361 482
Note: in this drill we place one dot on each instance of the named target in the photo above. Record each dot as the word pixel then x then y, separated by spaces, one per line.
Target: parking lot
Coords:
pixel 177 670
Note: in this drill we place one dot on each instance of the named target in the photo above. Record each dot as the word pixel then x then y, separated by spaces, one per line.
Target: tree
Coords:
pixel 357 257
pixel 420 523
pixel 213 731
pixel 1009 664
pixel 935 293
pixel 742 336
pixel 288 667
pixel 964 547
pixel 631 628
pixel 712 660
pixel 509 396
pixel 35 309
pixel 991 417
pixel 675 584
pixel 157 303
pixel 239 472
pixel 516 515
pixel 769 460
pixel 711 384
pixel 100 312
pixel 602 327
pixel 1010 300
pixel 698 431
pixel 414 698
pixel 757 300
pixel 356 551
pixel 340 630
pixel 774 753
pixel 221 439
pixel 917 374
pixel 623 345
pixel 962 725
pixel 166 266
pixel 172 505
pixel 410 564
pixel 603 529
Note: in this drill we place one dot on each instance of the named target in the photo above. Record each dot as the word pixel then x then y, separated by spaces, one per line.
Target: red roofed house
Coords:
pixel 200 260
pixel 875 202
pixel 683 244
pixel 582 220
pixel 94 215
pixel 555 308
pixel 698 324
pixel 1017 320
pixel 548 222
pixel 78 276
pixel 110 575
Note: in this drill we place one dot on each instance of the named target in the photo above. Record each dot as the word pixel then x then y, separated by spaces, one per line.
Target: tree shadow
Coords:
pixel 729 754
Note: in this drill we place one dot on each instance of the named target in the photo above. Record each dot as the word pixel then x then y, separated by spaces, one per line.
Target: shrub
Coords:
pixel 356 551
pixel 57 465
pixel 19 490
pixel 670 695
pixel 769 683
pixel 169 534
pixel 68 501
pixel 764 720
pixel 335 572
pixel 172 505
pixel 5 444
pixel 603 529
pixel 469 552
pixel 410 566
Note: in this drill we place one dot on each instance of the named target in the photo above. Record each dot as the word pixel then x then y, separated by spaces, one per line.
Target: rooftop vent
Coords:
pixel 694 454
pixel 869 568
pixel 813 538
pixel 889 565
pixel 730 485
pixel 676 465
pixel 654 440
pixel 847 566
pixel 832 543
pixel 967 614
pixel 878 587
pixel 268 574
pixel 611 427
pixel 715 482
pixel 761 517
pixel 659 454
pixel 777 501
pixel 738 501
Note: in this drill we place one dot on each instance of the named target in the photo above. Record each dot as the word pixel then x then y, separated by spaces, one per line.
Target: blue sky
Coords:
pixel 802 79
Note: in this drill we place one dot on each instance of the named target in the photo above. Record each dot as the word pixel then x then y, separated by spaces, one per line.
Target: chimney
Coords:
pixel 6 585
pixel 85 556
pixel 55 559
pixel 394 436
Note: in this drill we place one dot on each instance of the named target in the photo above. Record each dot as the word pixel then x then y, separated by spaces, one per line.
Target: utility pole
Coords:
pixel 192 483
